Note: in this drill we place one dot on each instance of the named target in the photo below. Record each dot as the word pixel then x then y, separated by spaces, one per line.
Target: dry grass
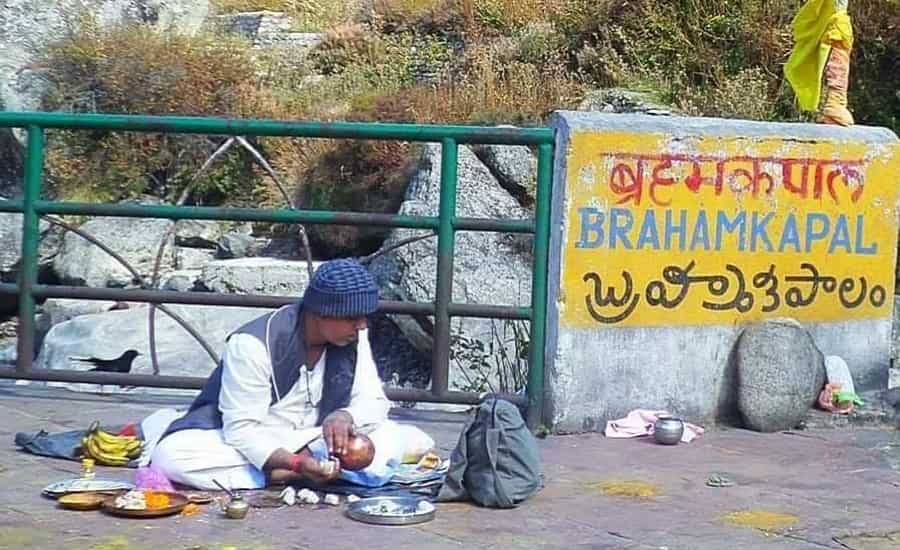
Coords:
pixel 308 15
pixel 408 8
pixel 506 15
pixel 746 95
pixel 489 91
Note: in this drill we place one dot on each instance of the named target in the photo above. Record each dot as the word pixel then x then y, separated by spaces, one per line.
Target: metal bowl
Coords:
pixel 402 510
pixel 668 430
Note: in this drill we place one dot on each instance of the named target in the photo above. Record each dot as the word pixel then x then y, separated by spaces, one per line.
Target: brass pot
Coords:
pixel 236 508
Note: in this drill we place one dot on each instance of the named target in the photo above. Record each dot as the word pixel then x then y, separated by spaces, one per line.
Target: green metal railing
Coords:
pixel 446 224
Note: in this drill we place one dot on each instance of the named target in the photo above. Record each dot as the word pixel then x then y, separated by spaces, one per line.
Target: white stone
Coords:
pixel 893 378
pixel 192 258
pixel 289 496
pixel 305 496
pixel 63 309
pixel 181 281
pixel 198 233
pixel 11 243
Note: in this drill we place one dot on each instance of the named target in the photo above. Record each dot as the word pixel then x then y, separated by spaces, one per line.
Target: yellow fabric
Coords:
pixel 816 27
pixel 839 31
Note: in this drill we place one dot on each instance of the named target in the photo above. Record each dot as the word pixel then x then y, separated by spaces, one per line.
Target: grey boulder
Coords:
pixel 63 309
pixel 108 335
pixel 81 262
pixel 198 233
pixel 268 276
pixel 11 244
pixel 489 268
pixel 780 372
pixel 515 168
pixel 192 258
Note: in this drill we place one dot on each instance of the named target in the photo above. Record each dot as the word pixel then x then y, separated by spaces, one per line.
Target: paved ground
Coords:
pixel 822 488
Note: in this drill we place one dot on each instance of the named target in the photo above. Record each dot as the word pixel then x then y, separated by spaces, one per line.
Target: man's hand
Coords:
pixel 337 429
pixel 312 469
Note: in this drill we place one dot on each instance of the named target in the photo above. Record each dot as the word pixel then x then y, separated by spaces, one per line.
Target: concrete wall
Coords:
pixel 759 200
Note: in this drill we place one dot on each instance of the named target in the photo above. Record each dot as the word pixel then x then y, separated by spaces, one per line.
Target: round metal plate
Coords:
pixel 79 485
pixel 360 511
pixel 177 504
pixel 82 501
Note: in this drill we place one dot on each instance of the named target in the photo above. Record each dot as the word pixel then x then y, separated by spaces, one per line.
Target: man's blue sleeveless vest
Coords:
pixel 282 331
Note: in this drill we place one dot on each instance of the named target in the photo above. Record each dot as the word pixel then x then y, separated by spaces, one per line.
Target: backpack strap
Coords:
pixel 492 437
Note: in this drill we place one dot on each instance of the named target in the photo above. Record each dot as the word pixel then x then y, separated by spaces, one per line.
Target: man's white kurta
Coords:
pixel 256 428
pixel 253 428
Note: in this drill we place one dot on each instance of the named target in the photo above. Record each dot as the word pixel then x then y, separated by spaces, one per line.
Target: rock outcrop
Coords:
pixel 489 268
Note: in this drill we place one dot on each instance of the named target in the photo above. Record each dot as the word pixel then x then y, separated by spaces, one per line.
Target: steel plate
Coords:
pixel 359 511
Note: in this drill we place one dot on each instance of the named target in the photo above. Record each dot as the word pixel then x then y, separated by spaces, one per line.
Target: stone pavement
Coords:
pixel 813 489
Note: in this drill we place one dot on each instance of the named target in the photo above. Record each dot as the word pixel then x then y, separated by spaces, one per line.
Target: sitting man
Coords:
pixel 287 380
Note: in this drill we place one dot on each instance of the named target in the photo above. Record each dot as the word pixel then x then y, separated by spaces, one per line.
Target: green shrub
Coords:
pixel 874 93
pixel 443 18
pixel 357 176
pixel 135 69
pixel 693 50
pixel 745 95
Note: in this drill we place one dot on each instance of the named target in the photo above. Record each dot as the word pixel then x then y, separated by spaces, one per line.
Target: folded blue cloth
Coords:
pixel 58 445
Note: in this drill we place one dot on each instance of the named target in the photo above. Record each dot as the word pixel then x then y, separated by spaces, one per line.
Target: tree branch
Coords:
pixel 399 244
pixel 154 278
pixel 137 277
pixel 268 168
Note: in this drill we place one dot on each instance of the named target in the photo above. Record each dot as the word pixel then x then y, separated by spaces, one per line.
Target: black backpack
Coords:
pixel 496 461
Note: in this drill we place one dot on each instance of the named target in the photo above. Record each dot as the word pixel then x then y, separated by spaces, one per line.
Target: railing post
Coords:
pixel 440 368
pixel 539 286
pixel 34 166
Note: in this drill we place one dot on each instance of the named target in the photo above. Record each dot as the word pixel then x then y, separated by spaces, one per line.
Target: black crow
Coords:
pixel 121 364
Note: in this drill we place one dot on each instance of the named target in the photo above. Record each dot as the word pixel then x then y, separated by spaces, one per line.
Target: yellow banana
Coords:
pixel 110 448
pixel 104 457
pixel 97 452
pixel 135 453
pixel 134 448
pixel 112 439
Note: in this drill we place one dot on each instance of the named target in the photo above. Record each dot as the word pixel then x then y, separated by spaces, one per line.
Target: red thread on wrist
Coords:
pixel 295 463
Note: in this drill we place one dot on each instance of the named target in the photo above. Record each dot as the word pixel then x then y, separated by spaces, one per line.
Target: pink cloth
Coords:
pixel 639 422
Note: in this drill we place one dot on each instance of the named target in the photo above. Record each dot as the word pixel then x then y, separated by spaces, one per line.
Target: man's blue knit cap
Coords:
pixel 341 288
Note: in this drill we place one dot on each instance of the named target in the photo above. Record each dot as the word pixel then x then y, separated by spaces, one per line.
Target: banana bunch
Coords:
pixel 109 449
